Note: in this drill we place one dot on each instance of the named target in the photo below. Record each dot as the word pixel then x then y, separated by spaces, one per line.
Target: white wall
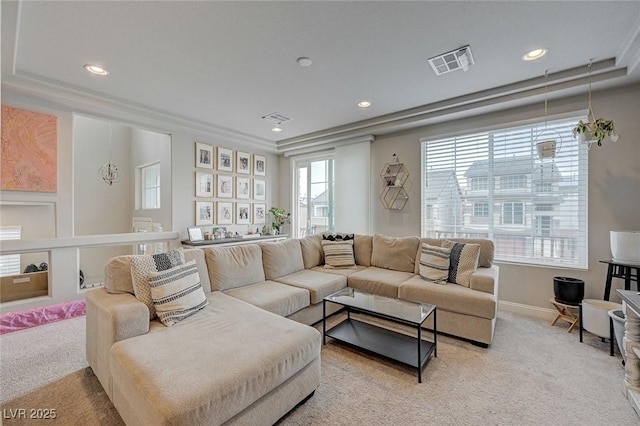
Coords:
pixel 353 180
pixel 614 190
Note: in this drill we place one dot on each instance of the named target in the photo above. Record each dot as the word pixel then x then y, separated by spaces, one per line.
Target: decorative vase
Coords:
pixel 569 291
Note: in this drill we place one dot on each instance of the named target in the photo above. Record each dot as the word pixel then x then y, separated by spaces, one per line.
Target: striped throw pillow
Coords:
pixel 463 261
pixel 338 254
pixel 177 293
pixel 434 263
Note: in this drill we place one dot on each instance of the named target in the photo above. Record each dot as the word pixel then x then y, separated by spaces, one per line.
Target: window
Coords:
pixel 513 213
pixel 10 263
pixel 544 225
pixel 314 209
pixel 150 177
pixel 513 182
pixel 480 209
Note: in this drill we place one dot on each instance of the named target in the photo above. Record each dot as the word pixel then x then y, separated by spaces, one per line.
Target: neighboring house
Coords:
pixel 443 203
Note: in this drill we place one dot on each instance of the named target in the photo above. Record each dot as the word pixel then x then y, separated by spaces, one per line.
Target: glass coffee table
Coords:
pixel 400 347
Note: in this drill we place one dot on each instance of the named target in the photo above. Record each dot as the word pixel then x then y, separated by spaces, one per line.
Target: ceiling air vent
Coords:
pixel 276 118
pixel 457 59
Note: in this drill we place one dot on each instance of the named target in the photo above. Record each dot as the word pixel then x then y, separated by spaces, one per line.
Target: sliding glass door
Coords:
pixel 313 196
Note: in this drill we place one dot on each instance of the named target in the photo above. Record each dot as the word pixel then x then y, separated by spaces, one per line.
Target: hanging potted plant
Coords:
pixel 595 131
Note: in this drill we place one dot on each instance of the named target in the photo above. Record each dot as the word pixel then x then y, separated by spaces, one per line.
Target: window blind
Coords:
pixel 10 263
pixel 493 185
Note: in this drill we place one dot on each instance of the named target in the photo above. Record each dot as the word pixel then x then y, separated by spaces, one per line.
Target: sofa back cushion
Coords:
pixel 363 248
pixel 117 272
pixel 235 266
pixel 395 253
pixel 485 260
pixel 282 258
pixel 312 254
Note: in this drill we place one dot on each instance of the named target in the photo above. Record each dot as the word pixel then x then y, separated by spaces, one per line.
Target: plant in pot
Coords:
pixel 279 217
pixel 595 131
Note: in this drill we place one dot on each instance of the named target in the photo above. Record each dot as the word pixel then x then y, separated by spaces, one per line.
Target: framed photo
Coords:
pixel 204 212
pixel 259 189
pixel 243 163
pixel 259 165
pixel 225 160
pixel 195 234
pixel 225 213
pixel 243 188
pixel 225 186
pixel 243 213
pixel 204 184
pixel 259 213
pixel 204 156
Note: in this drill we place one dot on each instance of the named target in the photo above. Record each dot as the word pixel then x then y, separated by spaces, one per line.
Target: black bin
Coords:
pixel 569 291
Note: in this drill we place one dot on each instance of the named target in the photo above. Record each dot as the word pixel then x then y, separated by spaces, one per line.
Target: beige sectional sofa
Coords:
pixel 241 359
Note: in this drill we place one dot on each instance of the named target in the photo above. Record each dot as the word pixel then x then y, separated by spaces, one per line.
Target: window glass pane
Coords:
pixel 493 185
pixel 314 197
pixel 150 186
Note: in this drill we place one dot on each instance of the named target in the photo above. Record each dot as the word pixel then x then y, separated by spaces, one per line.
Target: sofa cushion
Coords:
pixel 161 373
pixel 379 280
pixel 339 271
pixel 485 279
pixel 363 247
pixel 235 266
pixel 449 297
pixel 142 265
pixel 177 293
pixel 280 299
pixel 117 272
pixel 319 284
pixel 338 254
pixel 398 254
pixel 281 258
pixel 463 261
pixel 312 254
pixel 434 263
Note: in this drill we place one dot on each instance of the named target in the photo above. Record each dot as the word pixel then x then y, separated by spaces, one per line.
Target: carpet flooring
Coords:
pixel 533 374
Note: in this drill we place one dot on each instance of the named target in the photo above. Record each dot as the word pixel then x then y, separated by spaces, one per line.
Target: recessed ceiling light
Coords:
pixel 364 104
pixel 276 129
pixel 303 61
pixel 535 54
pixel 94 69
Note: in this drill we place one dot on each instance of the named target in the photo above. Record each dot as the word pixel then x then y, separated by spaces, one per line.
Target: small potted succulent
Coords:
pixel 595 131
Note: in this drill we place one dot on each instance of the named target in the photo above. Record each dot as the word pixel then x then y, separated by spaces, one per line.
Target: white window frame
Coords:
pixel 10 263
pixel 149 189
pixel 566 242
pixel 305 161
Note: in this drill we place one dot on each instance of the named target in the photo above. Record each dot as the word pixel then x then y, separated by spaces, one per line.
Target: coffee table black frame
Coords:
pixel 412 351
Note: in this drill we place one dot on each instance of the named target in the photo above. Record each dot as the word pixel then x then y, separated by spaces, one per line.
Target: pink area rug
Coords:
pixel 15 321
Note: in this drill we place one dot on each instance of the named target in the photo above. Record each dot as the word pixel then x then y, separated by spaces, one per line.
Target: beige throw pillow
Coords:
pixel 177 293
pixel 434 263
pixel 143 264
pixel 338 254
pixel 463 261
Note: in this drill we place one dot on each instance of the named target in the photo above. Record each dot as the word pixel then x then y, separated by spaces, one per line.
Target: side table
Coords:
pixel 565 313
pixel 620 270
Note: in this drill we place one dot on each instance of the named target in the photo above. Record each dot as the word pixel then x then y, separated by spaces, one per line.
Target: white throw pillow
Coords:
pixel 177 293
pixel 143 264
pixel 434 263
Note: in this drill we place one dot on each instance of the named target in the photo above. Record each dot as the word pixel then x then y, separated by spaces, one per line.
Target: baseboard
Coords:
pixel 527 310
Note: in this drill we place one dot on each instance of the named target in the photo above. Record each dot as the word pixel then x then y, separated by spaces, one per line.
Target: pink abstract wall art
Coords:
pixel 29 151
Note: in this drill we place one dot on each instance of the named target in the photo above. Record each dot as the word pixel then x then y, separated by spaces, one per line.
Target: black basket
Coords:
pixel 569 291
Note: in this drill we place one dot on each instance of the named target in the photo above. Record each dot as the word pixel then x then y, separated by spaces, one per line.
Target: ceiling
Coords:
pixel 221 66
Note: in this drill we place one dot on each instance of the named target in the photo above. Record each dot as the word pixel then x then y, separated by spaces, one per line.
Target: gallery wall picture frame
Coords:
pixel 204 156
pixel 259 165
pixel 204 213
pixel 225 186
pixel 243 163
pixel 204 184
pixel 243 188
pixel 259 189
pixel 225 159
pixel 225 213
pixel 259 213
pixel 243 213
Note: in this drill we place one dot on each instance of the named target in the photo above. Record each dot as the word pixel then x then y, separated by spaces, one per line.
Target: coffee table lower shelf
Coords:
pixel 396 346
